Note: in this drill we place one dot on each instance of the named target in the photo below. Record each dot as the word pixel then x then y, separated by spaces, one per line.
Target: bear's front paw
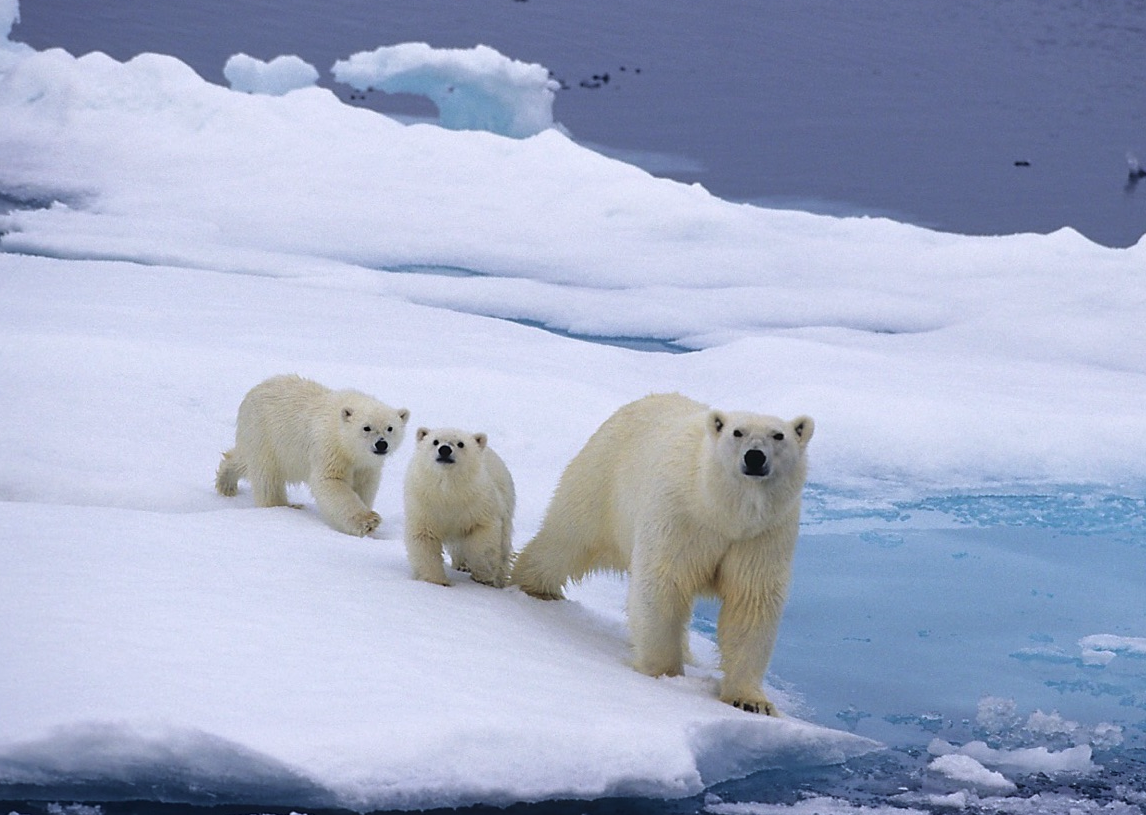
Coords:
pixel 755 704
pixel 364 523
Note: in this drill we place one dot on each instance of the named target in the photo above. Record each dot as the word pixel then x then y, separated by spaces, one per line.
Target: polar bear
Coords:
pixel 291 430
pixel 458 493
pixel 690 501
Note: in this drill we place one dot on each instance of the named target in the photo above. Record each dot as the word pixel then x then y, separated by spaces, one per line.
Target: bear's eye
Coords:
pixel 738 433
pixel 390 428
pixel 366 429
pixel 435 442
pixel 461 444
pixel 778 436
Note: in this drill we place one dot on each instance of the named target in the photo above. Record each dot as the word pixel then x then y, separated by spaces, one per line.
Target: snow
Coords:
pixel 169 243
pixel 474 88
pixel 282 74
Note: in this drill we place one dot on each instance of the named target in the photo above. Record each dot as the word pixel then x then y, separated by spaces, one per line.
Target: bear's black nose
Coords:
pixel 381 446
pixel 445 453
pixel 756 462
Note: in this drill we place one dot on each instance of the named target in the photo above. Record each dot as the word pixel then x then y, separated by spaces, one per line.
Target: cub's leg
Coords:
pixel 342 507
pixel 486 556
pixel 424 551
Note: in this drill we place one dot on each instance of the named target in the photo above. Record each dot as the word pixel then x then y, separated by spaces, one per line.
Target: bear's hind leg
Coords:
pixel 487 556
pixel 546 564
pixel 269 489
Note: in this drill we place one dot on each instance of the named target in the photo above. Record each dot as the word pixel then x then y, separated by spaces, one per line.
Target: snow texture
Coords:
pixel 281 75
pixel 474 89
pixel 167 243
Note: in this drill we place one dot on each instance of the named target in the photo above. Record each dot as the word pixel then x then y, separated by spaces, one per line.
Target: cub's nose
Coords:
pixel 381 446
pixel 756 462
pixel 445 453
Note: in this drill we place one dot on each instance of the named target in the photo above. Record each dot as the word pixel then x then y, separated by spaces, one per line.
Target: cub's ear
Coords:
pixel 423 432
pixel 404 415
pixel 804 427
pixel 347 413
pixel 716 422
pixel 481 439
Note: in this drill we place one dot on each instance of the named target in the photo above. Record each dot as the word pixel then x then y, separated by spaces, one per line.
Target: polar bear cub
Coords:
pixel 690 501
pixel 458 493
pixel 291 430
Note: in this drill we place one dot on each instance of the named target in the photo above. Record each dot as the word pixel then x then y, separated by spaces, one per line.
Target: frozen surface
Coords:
pixel 473 89
pixel 281 75
pixel 168 243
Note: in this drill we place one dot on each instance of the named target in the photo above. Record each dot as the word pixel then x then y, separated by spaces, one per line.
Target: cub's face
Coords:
pixel 450 449
pixel 758 447
pixel 373 430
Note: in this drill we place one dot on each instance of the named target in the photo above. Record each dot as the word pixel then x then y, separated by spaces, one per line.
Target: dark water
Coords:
pixel 976 116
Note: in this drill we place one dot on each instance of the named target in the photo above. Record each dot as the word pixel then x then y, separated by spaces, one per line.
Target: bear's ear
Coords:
pixel 716 422
pixel 423 432
pixel 481 439
pixel 347 413
pixel 804 427
pixel 404 415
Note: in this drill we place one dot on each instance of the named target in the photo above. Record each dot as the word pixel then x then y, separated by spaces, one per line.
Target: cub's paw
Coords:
pixel 754 704
pixel 364 523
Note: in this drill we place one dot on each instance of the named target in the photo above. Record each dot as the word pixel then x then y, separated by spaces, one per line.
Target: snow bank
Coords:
pixel 258 657
pixel 158 636
pixel 474 89
pixel 906 345
pixel 281 75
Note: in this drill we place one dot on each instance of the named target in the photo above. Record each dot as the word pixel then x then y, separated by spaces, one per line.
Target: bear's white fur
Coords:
pixel 688 500
pixel 458 493
pixel 292 430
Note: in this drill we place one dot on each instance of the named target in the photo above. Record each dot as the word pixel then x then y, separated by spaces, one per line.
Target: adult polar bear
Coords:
pixel 689 500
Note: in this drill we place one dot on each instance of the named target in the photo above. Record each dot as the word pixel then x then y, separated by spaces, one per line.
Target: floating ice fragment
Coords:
pixel 1100 649
pixel 1030 760
pixel 474 89
pixel 996 715
pixel 816 805
pixel 966 771
pixel 279 76
pixel 1052 724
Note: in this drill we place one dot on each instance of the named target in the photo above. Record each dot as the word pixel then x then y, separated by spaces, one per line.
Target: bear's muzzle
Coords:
pixel 756 464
